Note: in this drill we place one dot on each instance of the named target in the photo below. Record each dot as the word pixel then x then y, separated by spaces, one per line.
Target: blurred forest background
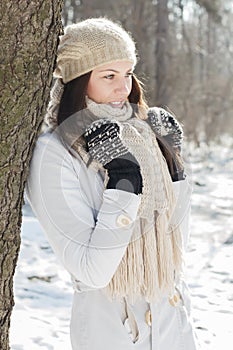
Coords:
pixel 185 49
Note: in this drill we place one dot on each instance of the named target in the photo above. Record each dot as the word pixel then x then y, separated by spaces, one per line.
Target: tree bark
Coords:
pixel 29 36
pixel 162 53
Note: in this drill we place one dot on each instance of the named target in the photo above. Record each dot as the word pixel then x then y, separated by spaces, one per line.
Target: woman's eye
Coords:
pixel 109 76
pixel 129 75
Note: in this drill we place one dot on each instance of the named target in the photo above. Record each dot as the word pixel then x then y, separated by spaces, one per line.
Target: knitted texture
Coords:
pixel 90 44
pixel 100 110
pixel 104 144
pixel 54 103
pixel 164 124
pixel 107 145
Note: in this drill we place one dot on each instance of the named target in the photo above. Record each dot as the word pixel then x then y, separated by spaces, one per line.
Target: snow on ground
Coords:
pixel 43 294
pixel 43 291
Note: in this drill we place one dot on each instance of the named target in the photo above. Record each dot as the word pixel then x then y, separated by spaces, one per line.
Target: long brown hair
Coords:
pixel 73 101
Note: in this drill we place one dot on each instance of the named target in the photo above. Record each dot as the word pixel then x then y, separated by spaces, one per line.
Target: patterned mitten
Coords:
pixel 165 125
pixel 104 145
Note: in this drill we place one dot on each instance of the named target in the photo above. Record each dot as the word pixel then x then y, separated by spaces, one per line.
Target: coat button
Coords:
pixel 148 317
pixel 123 220
pixel 174 300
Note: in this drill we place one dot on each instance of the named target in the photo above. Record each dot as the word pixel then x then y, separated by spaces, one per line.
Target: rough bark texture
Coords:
pixel 29 36
pixel 162 53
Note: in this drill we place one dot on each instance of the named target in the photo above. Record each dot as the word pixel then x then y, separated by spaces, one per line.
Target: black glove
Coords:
pixel 104 145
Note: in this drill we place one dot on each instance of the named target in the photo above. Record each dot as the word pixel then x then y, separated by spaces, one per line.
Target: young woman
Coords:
pixel 108 187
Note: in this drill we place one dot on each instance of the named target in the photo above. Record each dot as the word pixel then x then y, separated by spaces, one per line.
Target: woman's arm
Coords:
pixel 88 231
pixel 181 214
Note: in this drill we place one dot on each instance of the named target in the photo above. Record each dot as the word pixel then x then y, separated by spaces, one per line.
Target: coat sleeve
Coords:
pixel 181 214
pixel 90 237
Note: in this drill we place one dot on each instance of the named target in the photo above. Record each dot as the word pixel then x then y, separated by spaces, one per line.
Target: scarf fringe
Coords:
pixel 148 267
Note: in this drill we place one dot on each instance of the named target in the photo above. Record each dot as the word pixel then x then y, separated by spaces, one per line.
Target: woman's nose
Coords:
pixel 123 86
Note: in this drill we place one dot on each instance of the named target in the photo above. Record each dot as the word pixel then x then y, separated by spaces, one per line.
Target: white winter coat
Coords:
pixel 89 229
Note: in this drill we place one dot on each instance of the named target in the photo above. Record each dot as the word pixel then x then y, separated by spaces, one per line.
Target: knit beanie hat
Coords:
pixel 90 44
pixel 83 47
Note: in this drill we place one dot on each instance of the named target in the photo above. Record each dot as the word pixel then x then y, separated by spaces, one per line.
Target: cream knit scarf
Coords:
pixel 153 258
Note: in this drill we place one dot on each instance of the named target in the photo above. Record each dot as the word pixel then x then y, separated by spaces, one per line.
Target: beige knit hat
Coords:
pixel 89 44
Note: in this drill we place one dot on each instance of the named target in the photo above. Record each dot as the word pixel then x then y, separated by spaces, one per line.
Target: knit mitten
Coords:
pixel 164 124
pixel 105 145
pixel 168 128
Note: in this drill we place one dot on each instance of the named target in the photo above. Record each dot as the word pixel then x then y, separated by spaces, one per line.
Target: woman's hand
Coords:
pixel 170 136
pixel 164 124
pixel 105 145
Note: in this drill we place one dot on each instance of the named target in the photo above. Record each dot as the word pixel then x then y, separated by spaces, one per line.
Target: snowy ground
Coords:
pixel 43 290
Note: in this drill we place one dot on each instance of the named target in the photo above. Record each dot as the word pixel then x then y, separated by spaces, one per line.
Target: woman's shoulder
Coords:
pixel 50 147
pixel 48 139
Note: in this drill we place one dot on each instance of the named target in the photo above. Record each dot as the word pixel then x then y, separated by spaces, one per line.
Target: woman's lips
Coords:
pixel 117 104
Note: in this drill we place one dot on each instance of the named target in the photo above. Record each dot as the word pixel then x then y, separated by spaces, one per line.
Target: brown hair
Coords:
pixel 73 97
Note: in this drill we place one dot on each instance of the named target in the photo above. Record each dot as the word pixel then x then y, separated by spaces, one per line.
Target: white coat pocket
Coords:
pixel 135 322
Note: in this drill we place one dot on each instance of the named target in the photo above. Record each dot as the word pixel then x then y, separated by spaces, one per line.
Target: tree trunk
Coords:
pixel 29 36
pixel 162 52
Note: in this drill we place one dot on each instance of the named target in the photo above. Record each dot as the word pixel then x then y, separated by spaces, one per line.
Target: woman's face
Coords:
pixel 111 83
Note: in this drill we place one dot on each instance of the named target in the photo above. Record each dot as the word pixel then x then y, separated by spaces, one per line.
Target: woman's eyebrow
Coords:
pixel 108 70
pixel 113 70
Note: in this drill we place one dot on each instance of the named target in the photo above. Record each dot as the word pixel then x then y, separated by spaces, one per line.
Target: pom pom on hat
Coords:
pixel 90 44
